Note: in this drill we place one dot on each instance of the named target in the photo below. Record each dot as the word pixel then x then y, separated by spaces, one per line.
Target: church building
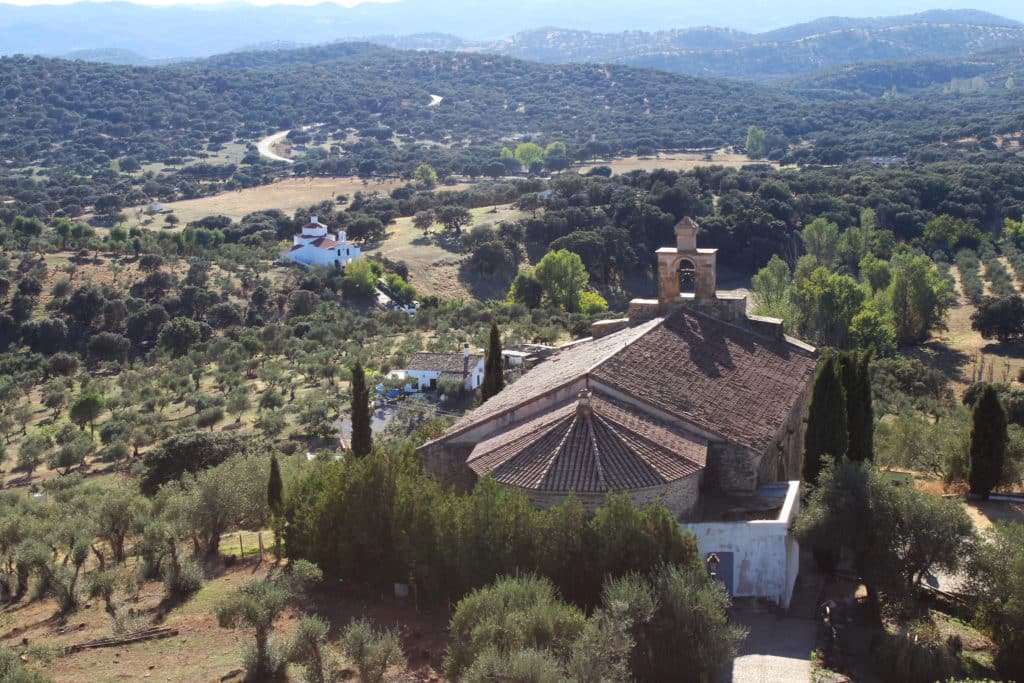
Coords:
pixel 689 402
pixel 315 246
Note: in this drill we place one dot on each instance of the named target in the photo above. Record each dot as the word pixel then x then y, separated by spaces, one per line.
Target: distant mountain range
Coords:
pixel 125 33
pixel 783 53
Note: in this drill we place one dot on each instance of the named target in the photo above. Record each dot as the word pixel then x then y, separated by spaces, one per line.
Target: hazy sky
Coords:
pixel 743 14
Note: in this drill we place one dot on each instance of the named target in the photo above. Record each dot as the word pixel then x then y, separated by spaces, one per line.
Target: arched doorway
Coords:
pixel 687 277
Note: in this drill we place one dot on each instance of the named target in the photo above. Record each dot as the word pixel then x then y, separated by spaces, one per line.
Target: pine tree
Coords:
pixel 494 376
pixel 275 488
pixel 827 432
pixel 860 419
pixel 362 437
pixel 988 442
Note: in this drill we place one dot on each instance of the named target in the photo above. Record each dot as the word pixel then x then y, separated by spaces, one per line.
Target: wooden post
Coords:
pixel 259 537
pixel 241 548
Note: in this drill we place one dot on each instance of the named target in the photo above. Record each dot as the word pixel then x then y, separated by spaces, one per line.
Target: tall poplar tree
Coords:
pixel 827 432
pixel 362 437
pixel 494 376
pixel 988 442
pixel 860 418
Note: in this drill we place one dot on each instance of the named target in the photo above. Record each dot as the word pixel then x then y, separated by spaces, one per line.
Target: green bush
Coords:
pixel 372 651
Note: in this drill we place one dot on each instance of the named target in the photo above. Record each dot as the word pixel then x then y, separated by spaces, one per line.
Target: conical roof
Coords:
pixel 592 445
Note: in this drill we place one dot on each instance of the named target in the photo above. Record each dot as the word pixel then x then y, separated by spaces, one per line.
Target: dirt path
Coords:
pixel 266 145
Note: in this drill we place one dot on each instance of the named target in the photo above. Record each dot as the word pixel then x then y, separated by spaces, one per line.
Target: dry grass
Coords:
pixel 288 195
pixel 676 162
pixel 962 354
pixel 435 263
pixel 203 651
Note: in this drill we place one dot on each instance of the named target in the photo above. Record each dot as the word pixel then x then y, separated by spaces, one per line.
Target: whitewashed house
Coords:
pixel 316 246
pixel 425 370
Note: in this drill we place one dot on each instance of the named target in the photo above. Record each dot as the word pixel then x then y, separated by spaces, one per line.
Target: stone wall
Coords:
pixel 445 462
pixel 731 468
pixel 680 497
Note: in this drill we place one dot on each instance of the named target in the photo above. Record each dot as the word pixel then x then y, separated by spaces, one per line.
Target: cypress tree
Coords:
pixel 494 376
pixel 826 432
pixel 275 488
pixel 362 437
pixel 988 442
pixel 860 418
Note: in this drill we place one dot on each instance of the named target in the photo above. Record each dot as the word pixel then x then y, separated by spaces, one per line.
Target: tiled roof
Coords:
pixel 324 243
pixel 441 362
pixel 718 377
pixel 559 369
pixel 608 446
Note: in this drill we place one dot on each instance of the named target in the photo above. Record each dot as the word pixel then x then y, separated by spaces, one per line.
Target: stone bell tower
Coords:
pixel 685 266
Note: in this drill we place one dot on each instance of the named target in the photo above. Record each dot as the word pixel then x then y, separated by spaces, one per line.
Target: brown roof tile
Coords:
pixel 610 447
pixel 721 378
pixel 713 375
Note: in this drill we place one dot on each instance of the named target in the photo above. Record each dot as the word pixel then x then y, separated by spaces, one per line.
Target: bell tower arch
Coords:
pixel 684 264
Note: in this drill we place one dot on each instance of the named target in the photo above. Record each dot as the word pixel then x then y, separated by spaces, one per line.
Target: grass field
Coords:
pixel 676 162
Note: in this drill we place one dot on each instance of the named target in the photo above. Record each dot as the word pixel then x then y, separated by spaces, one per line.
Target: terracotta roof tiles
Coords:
pixel 607 446
pixel 721 378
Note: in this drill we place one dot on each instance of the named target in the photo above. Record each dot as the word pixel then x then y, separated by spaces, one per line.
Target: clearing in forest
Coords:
pixel 435 261
pixel 676 161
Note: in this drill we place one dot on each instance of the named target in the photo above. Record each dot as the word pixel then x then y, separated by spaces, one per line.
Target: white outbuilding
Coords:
pixel 316 246
pixel 425 370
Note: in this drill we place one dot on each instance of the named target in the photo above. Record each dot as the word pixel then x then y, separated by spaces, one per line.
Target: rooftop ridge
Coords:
pixel 602 480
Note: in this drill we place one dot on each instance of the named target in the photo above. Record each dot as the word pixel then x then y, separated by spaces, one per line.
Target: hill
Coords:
pixel 753 44
pixel 71 136
pixel 785 52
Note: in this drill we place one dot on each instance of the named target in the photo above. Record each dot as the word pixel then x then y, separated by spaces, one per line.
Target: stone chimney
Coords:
pixel 583 407
pixel 465 359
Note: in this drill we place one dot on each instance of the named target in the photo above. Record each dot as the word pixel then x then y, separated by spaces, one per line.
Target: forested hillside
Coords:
pixel 76 131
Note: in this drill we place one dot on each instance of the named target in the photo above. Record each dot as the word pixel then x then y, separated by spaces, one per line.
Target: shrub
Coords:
pixel 372 651
pixel 511 614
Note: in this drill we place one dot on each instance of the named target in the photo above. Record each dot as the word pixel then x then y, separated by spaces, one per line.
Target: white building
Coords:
pixel 425 370
pixel 315 246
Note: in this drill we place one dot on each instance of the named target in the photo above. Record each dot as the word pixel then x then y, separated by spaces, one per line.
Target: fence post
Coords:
pixel 241 548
